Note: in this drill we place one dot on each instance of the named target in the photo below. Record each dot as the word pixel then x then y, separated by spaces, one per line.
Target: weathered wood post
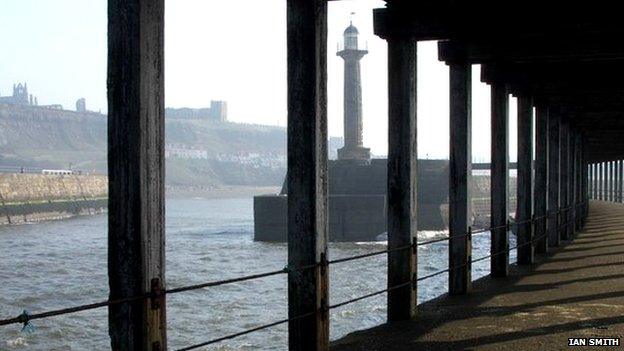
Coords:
pixel 620 180
pixel 579 181
pixel 595 181
pixel 541 177
pixel 553 179
pixel 611 180
pixel 401 176
pixel 307 174
pixel 591 184
pixel 136 169
pixel 499 177
pixel 460 173
pixel 600 181
pixel 564 179
pixel 616 180
pixel 586 178
pixel 571 182
pixel 524 197
pixel 616 196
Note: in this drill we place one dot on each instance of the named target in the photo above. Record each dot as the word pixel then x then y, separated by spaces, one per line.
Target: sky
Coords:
pixel 232 50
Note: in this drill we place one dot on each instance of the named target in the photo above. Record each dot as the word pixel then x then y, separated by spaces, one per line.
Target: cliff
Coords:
pixel 233 154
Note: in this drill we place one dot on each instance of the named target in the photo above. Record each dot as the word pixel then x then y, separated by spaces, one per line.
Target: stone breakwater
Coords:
pixel 37 197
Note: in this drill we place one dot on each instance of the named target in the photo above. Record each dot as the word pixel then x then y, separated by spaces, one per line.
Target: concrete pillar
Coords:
pixel 401 176
pixel 307 173
pixel 564 180
pixel 541 178
pixel 499 181
pixel 524 207
pixel 460 172
pixel 553 179
pixel 136 169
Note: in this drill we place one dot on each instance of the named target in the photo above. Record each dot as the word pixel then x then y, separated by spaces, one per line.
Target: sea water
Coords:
pixel 51 265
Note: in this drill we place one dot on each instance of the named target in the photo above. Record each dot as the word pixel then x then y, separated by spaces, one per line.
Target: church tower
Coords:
pixel 351 54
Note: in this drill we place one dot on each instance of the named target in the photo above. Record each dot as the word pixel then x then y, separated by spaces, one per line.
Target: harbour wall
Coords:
pixel 35 197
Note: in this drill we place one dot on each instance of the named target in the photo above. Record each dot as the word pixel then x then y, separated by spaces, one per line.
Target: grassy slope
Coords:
pixel 53 143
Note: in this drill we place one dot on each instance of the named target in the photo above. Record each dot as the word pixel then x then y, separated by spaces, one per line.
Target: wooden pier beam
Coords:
pixel 564 180
pixel 541 178
pixel 553 179
pixel 524 198
pixel 600 180
pixel 402 164
pixel 596 181
pixel 460 172
pixel 620 180
pixel 616 196
pixel 585 179
pixel 307 174
pixel 591 182
pixel 571 182
pixel 611 180
pixel 580 181
pixel 499 187
pixel 136 169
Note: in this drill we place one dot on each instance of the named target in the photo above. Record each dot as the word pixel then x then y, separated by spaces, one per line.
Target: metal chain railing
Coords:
pixel 25 318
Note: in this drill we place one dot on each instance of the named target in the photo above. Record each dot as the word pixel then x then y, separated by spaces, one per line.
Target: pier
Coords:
pixel 575 292
pixel 566 72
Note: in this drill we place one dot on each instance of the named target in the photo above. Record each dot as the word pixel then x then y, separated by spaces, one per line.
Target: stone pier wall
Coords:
pixel 36 197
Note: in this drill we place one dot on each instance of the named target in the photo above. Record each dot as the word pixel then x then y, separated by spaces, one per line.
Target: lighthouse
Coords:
pixel 351 53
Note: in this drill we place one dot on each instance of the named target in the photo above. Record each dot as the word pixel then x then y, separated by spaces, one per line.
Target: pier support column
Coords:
pixel 564 180
pixel 580 181
pixel 541 178
pixel 616 177
pixel 611 180
pixel 614 180
pixel 401 177
pixel 136 172
pixel 460 172
pixel 571 182
pixel 524 207
pixel 499 181
pixel 585 178
pixel 307 174
pixel 591 182
pixel 596 181
pixel 553 179
pixel 600 181
pixel 590 176
pixel 620 180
